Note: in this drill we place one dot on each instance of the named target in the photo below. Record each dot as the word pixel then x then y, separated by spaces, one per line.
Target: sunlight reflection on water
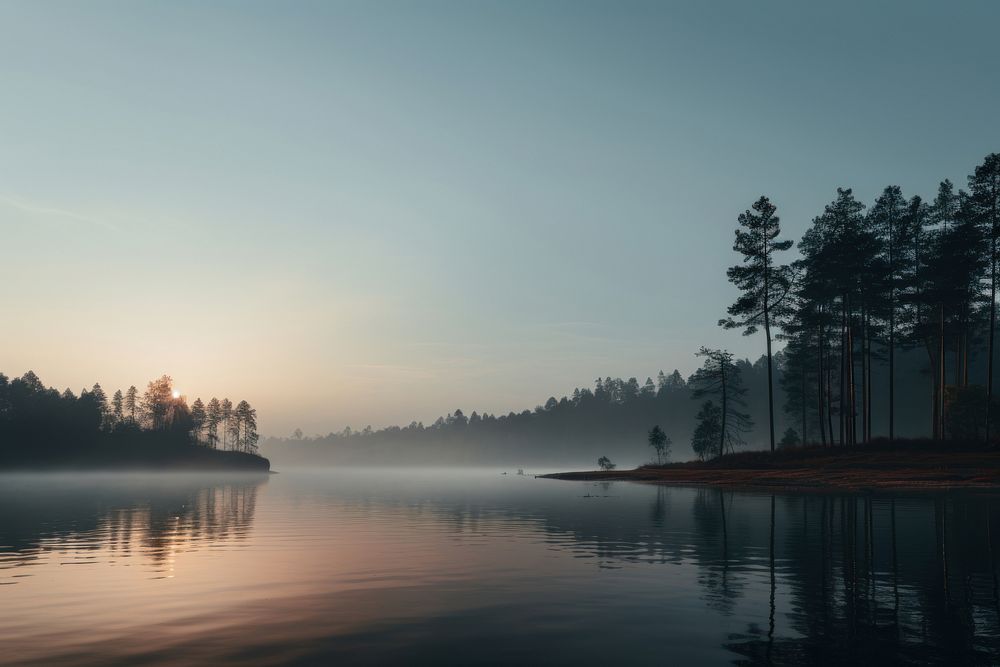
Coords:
pixel 460 566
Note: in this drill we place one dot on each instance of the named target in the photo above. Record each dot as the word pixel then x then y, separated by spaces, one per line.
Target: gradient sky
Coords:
pixel 372 212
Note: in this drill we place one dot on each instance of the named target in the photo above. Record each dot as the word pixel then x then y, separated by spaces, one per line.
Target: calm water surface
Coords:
pixel 470 566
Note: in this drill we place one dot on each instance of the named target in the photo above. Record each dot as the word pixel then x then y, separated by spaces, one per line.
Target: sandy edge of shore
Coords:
pixel 853 471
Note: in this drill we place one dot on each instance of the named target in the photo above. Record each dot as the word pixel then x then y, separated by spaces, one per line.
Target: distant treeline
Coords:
pixel 612 418
pixel 888 318
pixel 40 425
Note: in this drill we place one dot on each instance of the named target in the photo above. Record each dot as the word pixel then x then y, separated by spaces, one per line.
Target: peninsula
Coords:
pixel 44 429
pixel 909 465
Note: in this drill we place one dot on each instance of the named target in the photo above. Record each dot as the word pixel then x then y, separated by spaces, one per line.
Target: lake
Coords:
pixel 475 567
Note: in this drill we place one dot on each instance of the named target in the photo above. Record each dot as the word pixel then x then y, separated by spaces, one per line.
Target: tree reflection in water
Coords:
pixel 846 595
pixel 154 516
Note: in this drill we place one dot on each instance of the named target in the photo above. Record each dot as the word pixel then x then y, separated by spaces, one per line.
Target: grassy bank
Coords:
pixel 918 464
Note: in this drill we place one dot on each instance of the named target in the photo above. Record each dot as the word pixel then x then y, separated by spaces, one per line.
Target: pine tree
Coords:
pixel 226 414
pixel 672 382
pixel 100 399
pixel 156 402
pixel 245 427
pixel 198 417
pixel 213 417
pixel 661 381
pixel 919 316
pixel 956 260
pixel 889 221
pixel 797 375
pixel 984 187
pixel 720 377
pixel 648 389
pixel 117 409
pixel 132 404
pixel 708 431
pixel 764 284
pixel 838 251
pixel 659 441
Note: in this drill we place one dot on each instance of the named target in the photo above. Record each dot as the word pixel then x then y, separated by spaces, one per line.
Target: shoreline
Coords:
pixel 189 458
pixel 876 467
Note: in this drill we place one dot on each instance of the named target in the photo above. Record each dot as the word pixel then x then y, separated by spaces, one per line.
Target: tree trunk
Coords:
pixel 803 440
pixel 965 357
pixel 958 360
pixel 829 396
pixel 993 319
pixel 843 356
pixel 770 381
pixel 892 342
pixel 892 372
pixel 819 385
pixel 941 369
pixel 852 431
pixel 725 409
pixel 932 370
pixel 935 403
pixel 868 393
pixel 865 403
pixel 767 335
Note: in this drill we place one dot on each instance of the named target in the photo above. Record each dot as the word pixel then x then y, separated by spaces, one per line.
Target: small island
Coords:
pixel 44 429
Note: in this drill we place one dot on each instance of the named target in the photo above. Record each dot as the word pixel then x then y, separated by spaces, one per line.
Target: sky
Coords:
pixel 353 213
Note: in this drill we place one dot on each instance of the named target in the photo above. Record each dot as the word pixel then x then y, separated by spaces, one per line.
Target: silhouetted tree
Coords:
pixel 764 283
pixel 117 408
pixel 708 431
pixel 984 187
pixel 673 382
pixel 213 417
pixel 721 378
pixel 605 463
pixel 198 416
pixel 949 289
pixel 459 419
pixel 226 415
pixel 100 399
pixel 648 389
pixel 892 227
pixel 244 428
pixel 659 441
pixel 838 253
pixel 156 402
pixel 132 404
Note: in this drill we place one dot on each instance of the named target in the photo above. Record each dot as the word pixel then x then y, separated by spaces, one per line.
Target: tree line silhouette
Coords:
pixel 611 416
pixel 905 274
pixel 887 317
pixel 40 424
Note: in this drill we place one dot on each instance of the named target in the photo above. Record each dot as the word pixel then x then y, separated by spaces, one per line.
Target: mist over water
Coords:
pixel 468 566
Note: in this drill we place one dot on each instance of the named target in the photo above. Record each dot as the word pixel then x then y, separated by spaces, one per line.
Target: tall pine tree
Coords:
pixel 765 284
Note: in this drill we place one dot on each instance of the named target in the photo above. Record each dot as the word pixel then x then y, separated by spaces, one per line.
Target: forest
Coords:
pixel 42 426
pixel 886 320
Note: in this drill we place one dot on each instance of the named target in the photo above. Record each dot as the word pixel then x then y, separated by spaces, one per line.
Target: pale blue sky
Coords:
pixel 371 212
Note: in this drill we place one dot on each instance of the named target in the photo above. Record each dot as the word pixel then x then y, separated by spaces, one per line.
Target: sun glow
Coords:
pixel 177 394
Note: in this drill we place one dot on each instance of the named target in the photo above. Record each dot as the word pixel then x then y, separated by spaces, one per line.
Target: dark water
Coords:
pixel 461 567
